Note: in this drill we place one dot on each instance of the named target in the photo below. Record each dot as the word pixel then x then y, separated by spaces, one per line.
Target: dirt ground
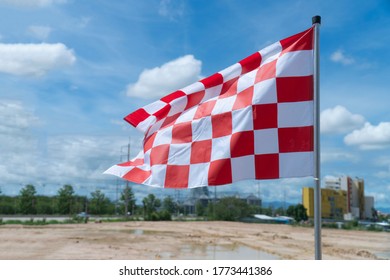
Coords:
pixel 182 240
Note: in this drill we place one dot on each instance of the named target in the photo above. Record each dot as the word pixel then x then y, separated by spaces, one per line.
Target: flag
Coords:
pixel 252 120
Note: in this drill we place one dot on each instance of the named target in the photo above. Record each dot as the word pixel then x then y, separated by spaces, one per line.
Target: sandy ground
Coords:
pixel 182 240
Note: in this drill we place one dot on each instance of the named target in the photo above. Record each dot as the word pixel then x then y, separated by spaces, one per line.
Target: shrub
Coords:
pixel 165 216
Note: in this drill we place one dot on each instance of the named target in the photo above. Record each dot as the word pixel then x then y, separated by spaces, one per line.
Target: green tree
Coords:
pixel 45 205
pixel 298 212
pixel 280 211
pixel 65 200
pixel 151 203
pixel 169 205
pixel 267 211
pixel 231 209
pixel 374 214
pixel 8 205
pixel 99 203
pixel 27 200
pixel 80 204
pixel 128 199
pixel 200 209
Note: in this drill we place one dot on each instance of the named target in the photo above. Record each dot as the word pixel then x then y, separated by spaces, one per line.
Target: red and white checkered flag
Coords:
pixel 252 120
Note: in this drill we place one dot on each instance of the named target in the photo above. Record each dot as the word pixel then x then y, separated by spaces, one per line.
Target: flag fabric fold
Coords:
pixel 252 120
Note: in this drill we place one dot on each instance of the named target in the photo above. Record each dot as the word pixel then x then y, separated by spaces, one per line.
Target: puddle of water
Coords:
pixel 225 252
pixel 212 252
pixel 146 232
pixel 137 232
pixel 383 255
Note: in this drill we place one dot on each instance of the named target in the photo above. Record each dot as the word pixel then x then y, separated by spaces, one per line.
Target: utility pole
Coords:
pixel 126 194
pixel 127 184
pixel 116 196
pixel 259 196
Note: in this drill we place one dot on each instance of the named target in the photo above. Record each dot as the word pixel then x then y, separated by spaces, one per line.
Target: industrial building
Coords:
pixel 342 198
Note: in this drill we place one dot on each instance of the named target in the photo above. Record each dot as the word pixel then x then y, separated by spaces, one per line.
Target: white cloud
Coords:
pixel 339 57
pixel 82 158
pixel 78 156
pixel 338 157
pixel 30 156
pixel 57 159
pixel 160 81
pixel 15 119
pixel 40 32
pixel 340 120
pixel 34 59
pixel 32 3
pixel 370 137
pixel 17 145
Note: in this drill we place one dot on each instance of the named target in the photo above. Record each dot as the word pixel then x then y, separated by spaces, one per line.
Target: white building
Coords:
pixel 356 201
pixel 368 205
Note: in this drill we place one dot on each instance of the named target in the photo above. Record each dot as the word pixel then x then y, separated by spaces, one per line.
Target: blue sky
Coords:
pixel 71 70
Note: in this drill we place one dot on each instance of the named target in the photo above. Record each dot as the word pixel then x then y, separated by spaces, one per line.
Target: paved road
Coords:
pixel 36 218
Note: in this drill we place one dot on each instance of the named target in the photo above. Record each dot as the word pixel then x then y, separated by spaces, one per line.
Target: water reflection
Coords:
pixel 224 252
pixel 383 255
pixel 137 232
pixel 211 251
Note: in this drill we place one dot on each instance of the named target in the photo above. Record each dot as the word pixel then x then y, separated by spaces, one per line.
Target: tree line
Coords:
pixel 66 202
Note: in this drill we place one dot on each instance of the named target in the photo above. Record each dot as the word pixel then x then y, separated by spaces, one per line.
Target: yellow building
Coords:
pixel 333 203
pixel 308 201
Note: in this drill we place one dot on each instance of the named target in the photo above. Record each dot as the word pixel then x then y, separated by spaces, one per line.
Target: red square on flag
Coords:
pixel 159 154
pixel 294 89
pixel 229 88
pixel 163 112
pixel 250 63
pixel 221 124
pixel 296 139
pixel 170 120
pixel 205 109
pixel 182 133
pixel 201 151
pixel 148 143
pixel 212 81
pixel 267 166
pixel 265 116
pixel 137 117
pixel 177 176
pixel 220 172
pixel 194 99
pixel 174 95
pixel 137 175
pixel 267 71
pixel 242 144
pixel 244 99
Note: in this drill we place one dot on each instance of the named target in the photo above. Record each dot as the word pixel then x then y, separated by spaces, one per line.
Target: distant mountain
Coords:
pixel 383 209
pixel 277 204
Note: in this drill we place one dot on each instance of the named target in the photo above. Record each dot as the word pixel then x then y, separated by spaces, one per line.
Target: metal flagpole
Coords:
pixel 316 20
